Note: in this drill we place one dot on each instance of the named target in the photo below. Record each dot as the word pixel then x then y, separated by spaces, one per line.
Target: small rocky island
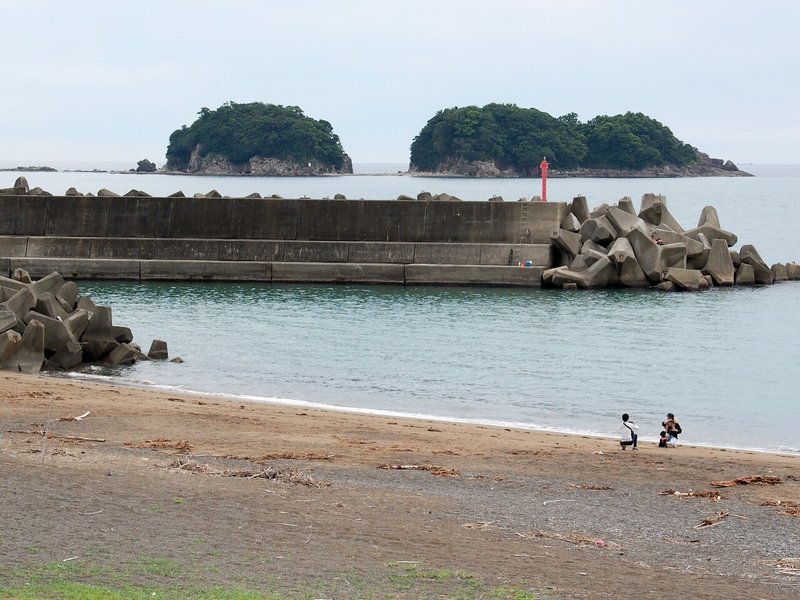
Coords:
pixel 256 139
pixel 503 140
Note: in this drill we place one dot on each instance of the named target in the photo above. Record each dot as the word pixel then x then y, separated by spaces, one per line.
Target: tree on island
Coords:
pixel 515 139
pixel 633 141
pixel 237 133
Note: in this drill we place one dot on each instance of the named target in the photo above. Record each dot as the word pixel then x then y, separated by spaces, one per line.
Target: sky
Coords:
pixel 111 80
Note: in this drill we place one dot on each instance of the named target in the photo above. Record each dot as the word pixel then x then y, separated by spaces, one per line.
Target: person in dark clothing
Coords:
pixel 673 428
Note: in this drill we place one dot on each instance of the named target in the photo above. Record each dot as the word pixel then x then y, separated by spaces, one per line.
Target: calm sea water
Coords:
pixel 724 361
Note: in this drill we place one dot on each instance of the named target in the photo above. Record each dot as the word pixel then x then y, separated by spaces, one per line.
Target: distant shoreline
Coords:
pixel 422 175
pixel 30 169
pixel 388 170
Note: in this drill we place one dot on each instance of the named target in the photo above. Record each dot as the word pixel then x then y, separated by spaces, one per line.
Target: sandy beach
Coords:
pixel 187 493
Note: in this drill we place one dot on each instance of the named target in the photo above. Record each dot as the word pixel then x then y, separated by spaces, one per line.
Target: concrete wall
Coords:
pixel 101 248
pixel 246 239
pixel 274 272
pixel 278 219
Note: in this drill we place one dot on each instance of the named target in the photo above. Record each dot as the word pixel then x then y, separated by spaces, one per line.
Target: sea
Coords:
pixel 724 361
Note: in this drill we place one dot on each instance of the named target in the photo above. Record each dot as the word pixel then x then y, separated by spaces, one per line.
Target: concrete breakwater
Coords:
pixel 404 241
pixel 137 237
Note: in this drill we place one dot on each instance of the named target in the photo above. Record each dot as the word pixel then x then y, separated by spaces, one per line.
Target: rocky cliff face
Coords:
pixel 260 165
pixel 463 168
pixel 705 167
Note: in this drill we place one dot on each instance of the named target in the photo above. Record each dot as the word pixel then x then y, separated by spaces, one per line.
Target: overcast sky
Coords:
pixel 110 81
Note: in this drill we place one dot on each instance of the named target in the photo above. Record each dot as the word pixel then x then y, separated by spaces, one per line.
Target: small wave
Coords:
pixel 111 378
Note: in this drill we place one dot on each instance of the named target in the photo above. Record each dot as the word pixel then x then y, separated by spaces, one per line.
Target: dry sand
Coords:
pixel 148 476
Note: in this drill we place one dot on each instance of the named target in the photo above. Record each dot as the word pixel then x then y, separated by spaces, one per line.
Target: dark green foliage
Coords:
pixel 518 138
pixel 634 141
pixel 509 136
pixel 238 132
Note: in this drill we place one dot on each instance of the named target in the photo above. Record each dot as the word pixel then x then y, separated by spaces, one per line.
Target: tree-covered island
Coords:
pixel 503 140
pixel 256 139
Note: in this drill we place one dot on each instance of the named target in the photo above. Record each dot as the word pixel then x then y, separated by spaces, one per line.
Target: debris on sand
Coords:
pixel 788 507
pixel 713 520
pixel 748 480
pixel 712 495
pixel 432 469
pixel 287 475
pixel 572 538
pixel 182 446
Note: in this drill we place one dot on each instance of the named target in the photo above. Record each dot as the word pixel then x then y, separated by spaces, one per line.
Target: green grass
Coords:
pixel 445 583
pixel 83 591
pixel 160 577
pixel 407 576
pixel 161 567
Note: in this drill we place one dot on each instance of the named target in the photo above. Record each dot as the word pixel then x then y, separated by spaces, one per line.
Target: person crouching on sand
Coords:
pixel 628 434
pixel 673 428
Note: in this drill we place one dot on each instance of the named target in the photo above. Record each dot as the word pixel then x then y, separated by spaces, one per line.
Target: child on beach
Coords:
pixel 628 436
pixel 663 440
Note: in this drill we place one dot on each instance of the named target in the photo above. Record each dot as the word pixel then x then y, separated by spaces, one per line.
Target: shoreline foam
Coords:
pixel 377 412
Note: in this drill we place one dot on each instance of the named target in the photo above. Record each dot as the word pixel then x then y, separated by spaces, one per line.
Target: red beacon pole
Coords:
pixel 543 166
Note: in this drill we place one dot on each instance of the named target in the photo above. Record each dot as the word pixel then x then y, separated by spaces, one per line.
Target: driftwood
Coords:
pixel 546 502
pixel 717 519
pixel 47 429
pixel 180 445
pixel 432 469
pixel 46 434
pixel 591 486
pixel 477 525
pixel 76 438
pixel 281 456
pixel 788 507
pixel 294 456
pixel 748 480
pixel 78 418
pixel 712 495
pixel 713 520
pixel 785 566
pixel 287 475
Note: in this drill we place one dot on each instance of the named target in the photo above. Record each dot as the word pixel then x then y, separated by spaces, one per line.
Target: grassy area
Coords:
pixel 159 577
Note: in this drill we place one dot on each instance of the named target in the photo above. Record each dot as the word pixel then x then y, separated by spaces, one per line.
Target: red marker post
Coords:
pixel 543 166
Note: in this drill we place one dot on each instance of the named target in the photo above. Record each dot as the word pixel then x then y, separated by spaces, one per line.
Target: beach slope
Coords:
pixel 186 492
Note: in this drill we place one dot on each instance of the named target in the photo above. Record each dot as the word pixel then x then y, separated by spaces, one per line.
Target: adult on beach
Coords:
pixel 673 428
pixel 628 435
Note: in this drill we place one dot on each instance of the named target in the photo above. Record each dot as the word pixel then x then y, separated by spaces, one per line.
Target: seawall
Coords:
pixel 279 240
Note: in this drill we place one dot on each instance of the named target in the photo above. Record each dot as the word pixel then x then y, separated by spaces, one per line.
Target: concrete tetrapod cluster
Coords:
pixel 45 324
pixel 616 246
pixel 22 188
